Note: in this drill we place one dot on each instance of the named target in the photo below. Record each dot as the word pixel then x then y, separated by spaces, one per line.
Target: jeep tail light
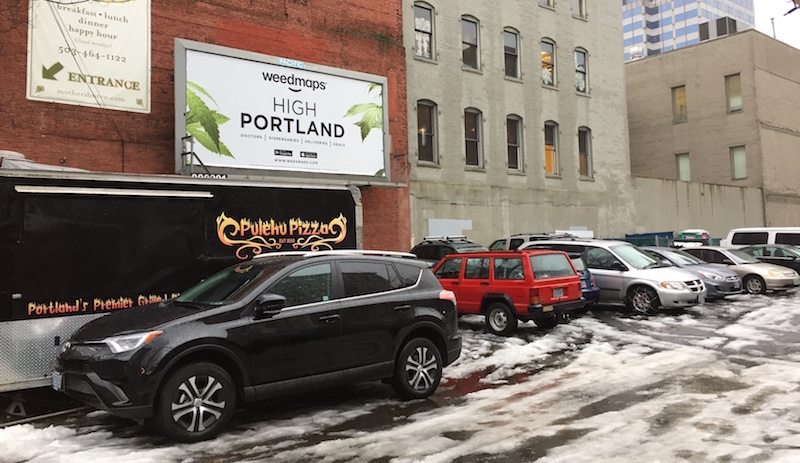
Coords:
pixel 446 295
pixel 534 296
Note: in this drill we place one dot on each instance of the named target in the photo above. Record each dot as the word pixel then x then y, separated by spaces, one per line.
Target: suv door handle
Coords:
pixel 402 308
pixel 329 318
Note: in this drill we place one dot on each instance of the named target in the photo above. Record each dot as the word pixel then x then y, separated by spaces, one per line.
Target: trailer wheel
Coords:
pixel 196 402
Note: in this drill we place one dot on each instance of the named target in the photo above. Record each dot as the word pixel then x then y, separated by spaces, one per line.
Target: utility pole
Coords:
pixel 773 27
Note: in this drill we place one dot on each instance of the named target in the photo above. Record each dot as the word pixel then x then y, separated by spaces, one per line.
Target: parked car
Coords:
pixel 627 275
pixel 762 235
pixel 778 254
pixel 757 277
pixel 515 241
pixel 260 328
pixel 433 248
pixel 509 286
pixel 719 280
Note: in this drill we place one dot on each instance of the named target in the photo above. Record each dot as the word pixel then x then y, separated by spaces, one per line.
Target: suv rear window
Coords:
pixel 364 278
pixel 750 238
pixel 508 268
pixel 409 274
pixel 551 266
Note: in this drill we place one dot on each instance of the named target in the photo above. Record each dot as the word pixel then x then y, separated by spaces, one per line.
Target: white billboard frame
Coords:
pixel 184 45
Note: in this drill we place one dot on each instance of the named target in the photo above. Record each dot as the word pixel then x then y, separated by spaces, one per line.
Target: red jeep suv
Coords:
pixel 508 286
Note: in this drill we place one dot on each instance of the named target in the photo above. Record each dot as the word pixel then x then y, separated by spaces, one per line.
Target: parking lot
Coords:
pixel 718 382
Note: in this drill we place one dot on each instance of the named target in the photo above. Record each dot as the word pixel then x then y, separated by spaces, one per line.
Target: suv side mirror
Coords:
pixel 268 305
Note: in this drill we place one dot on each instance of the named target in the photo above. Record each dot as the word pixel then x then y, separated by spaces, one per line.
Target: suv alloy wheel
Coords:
pixel 196 402
pixel 418 369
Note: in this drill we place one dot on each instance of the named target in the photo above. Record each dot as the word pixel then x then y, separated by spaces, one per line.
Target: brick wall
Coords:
pixel 360 35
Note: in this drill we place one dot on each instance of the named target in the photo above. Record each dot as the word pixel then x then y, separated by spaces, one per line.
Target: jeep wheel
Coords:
pixel 500 319
pixel 643 300
pixel 418 369
pixel 754 284
pixel 196 402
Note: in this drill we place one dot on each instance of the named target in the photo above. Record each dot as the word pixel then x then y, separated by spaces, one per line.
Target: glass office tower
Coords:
pixel 651 27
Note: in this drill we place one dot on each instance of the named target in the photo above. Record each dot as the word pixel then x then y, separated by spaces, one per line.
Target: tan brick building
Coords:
pixel 725 111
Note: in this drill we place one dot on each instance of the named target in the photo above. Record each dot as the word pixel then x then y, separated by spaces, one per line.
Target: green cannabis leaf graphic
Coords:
pixel 371 113
pixel 202 122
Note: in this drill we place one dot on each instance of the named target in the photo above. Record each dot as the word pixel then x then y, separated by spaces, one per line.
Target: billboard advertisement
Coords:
pixel 257 112
pixel 93 54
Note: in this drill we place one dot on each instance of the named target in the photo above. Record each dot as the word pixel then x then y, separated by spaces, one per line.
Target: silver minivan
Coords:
pixel 627 275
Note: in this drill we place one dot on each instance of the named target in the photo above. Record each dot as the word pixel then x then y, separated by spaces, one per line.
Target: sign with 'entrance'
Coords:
pixel 94 53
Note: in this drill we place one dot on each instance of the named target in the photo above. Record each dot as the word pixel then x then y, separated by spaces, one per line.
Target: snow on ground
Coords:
pixel 720 382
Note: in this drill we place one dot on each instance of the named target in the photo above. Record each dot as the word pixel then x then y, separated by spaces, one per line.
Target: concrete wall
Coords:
pixel 664 205
pixel 360 35
pixel 497 201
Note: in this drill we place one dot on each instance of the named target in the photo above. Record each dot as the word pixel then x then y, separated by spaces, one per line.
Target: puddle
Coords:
pixel 707 384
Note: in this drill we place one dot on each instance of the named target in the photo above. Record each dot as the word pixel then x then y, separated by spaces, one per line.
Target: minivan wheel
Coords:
pixel 643 300
pixel 500 319
pixel 418 369
pixel 754 284
pixel 196 402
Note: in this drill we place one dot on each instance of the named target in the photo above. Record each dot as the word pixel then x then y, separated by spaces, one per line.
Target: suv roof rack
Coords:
pixel 335 252
pixel 444 238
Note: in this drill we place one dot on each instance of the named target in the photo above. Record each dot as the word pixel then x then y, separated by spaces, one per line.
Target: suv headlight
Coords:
pixel 676 285
pixel 711 276
pixel 128 342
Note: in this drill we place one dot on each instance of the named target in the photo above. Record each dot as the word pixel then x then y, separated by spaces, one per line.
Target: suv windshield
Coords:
pixel 230 284
pixel 635 257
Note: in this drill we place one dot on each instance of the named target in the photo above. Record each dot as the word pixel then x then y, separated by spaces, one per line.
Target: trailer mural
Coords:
pixel 83 248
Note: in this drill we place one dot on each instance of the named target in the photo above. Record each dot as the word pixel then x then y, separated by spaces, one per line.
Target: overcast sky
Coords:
pixel 787 28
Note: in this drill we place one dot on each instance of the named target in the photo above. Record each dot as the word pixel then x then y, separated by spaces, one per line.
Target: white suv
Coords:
pixel 626 275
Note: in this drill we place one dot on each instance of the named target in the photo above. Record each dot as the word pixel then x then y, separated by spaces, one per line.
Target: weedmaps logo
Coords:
pixel 296 84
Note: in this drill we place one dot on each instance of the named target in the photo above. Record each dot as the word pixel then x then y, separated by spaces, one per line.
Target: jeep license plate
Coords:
pixel 547 308
pixel 558 292
pixel 56 380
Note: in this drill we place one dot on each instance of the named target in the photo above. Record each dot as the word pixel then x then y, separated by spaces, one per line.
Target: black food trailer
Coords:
pixel 74 246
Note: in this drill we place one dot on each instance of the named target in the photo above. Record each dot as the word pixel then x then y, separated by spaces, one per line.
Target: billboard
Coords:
pixel 256 112
pixel 93 54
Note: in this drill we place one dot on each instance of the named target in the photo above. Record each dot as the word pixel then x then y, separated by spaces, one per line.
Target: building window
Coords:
pixel 551 167
pixel 472 137
pixel 426 131
pixel 585 152
pixel 548 3
pixel 733 90
pixel 548 57
pixel 511 49
pixel 469 43
pixel 514 141
pixel 581 70
pixel 579 8
pixel 679 111
pixel 738 162
pixel 684 169
pixel 423 31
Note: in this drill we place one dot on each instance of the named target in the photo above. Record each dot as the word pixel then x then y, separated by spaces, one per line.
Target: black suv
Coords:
pixel 262 327
pixel 433 248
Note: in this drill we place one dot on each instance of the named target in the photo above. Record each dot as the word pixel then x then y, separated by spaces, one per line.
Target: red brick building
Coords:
pixel 358 35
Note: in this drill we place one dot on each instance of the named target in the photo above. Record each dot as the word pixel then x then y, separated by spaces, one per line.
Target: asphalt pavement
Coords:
pixel 714 383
